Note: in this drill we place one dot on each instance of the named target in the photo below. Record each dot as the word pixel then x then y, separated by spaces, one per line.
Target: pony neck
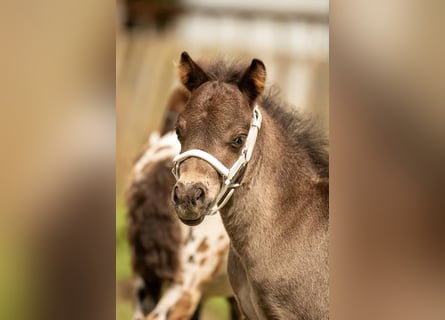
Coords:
pixel 273 178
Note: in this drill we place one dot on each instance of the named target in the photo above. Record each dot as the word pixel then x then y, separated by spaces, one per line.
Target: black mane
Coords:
pixel 302 129
pixel 224 70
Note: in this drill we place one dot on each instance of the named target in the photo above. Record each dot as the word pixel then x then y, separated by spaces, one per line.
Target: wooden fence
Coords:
pixel 294 50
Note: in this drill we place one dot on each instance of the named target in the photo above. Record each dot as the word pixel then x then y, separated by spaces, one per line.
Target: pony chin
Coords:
pixel 190 217
pixel 192 223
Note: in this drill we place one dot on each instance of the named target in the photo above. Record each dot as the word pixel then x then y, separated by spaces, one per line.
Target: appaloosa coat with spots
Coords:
pixel 265 168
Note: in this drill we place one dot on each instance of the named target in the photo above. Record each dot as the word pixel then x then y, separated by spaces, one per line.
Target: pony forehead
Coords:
pixel 216 116
pixel 208 101
pixel 216 90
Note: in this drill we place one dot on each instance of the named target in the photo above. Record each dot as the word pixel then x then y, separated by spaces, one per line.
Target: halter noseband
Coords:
pixel 229 175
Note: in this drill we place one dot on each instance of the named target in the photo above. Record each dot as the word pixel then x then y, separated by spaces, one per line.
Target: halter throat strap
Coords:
pixel 229 175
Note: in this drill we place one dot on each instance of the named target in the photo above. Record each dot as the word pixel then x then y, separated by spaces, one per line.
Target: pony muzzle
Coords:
pixel 190 200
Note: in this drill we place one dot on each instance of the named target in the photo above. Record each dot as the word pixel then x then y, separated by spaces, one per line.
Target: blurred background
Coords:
pixel 57 138
pixel 60 61
pixel 290 36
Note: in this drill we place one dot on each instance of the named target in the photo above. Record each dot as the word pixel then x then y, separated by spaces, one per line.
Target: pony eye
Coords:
pixel 238 141
pixel 178 133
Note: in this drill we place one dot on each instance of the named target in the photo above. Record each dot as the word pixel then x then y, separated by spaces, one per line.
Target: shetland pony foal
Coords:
pixel 270 185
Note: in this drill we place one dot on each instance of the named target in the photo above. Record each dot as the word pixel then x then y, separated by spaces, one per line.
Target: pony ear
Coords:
pixel 190 74
pixel 253 80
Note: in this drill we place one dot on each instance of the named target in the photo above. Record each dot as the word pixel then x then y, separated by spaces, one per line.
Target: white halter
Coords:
pixel 228 186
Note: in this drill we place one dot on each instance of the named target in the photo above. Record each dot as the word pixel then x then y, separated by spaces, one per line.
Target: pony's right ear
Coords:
pixel 190 74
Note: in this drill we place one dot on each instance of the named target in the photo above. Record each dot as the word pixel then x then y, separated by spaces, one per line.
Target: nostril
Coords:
pixel 175 194
pixel 192 195
pixel 199 194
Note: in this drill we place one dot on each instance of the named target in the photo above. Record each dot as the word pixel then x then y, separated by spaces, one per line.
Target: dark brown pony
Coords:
pixel 277 219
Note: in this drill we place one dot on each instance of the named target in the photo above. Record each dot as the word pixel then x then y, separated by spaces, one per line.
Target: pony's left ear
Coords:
pixel 253 80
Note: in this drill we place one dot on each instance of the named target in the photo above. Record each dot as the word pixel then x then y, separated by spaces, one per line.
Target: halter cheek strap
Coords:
pixel 229 175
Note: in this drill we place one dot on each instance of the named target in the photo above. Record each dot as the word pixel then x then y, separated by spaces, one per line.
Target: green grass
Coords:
pixel 217 308
pixel 17 281
pixel 124 310
pixel 123 268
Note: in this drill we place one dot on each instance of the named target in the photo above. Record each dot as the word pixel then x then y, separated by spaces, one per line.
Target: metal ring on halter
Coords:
pixel 228 174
